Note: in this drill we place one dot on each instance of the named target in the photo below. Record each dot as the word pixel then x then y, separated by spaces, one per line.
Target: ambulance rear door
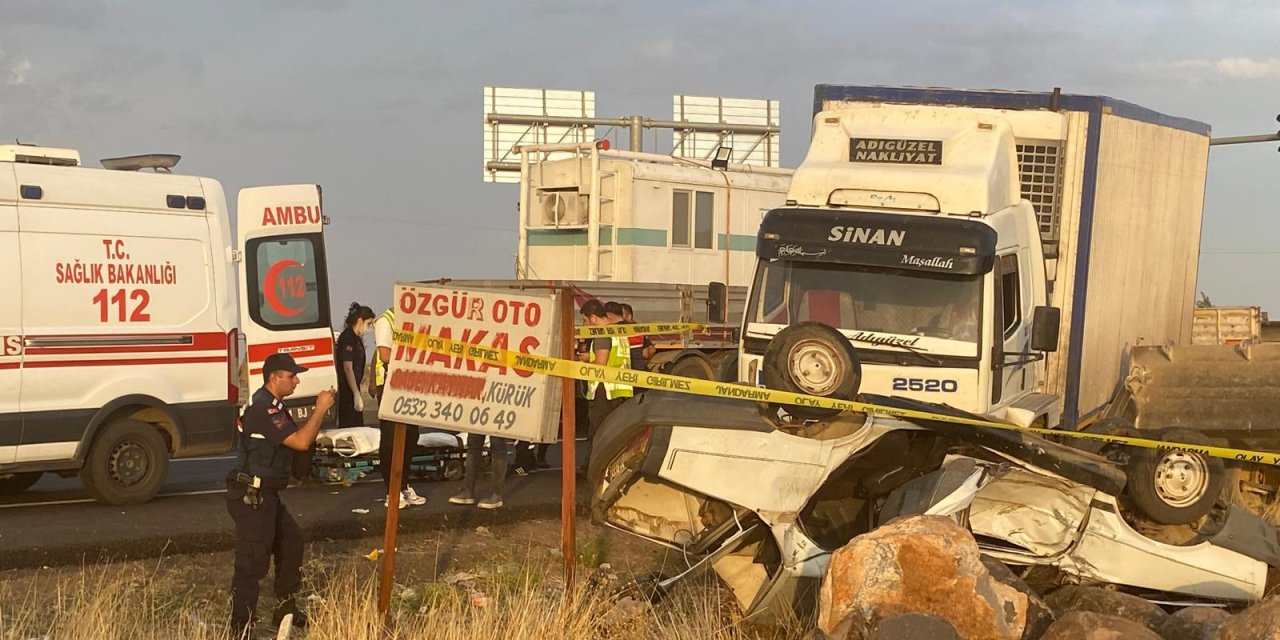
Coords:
pixel 284 287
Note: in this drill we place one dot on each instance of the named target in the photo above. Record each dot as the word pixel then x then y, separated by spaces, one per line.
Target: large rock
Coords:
pixel 1087 625
pixel 1112 603
pixel 1193 623
pixel 1039 614
pixel 923 565
pixel 1259 622
pixel 914 626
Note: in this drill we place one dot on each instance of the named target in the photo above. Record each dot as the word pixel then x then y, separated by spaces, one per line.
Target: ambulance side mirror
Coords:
pixel 1045 325
pixel 717 301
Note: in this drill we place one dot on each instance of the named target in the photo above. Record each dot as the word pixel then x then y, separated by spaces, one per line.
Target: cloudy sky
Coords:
pixel 380 102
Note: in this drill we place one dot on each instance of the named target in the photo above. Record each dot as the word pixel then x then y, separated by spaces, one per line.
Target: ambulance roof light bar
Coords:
pixel 158 162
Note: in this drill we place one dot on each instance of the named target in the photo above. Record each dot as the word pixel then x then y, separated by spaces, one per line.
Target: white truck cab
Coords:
pixel 120 322
pixel 996 251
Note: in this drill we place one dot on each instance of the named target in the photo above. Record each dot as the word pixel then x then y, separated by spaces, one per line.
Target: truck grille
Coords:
pixel 1040 174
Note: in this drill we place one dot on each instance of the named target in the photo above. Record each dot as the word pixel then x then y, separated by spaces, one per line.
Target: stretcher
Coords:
pixel 344 456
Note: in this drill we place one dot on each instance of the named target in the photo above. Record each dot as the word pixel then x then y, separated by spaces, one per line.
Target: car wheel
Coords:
pixel 812 359
pixel 18 482
pixel 127 463
pixel 1174 486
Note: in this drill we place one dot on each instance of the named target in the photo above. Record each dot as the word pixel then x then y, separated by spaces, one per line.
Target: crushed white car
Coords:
pixel 763 500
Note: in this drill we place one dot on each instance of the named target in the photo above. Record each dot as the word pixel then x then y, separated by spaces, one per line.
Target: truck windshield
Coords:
pixel 935 307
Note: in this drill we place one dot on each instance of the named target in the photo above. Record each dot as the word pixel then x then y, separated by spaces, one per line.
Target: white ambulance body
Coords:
pixel 119 318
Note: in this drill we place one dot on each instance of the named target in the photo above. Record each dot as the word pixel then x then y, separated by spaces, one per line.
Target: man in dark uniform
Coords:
pixel 267 439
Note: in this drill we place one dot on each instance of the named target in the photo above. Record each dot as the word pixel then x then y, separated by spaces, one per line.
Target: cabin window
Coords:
pixel 693 219
pixel 1011 300
pixel 703 222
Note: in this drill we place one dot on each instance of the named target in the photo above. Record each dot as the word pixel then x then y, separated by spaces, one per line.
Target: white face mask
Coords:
pixel 363 328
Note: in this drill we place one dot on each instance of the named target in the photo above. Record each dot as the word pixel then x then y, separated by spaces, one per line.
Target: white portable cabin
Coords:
pixel 621 216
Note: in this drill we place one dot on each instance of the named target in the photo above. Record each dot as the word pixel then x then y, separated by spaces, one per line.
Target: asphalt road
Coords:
pixel 56 523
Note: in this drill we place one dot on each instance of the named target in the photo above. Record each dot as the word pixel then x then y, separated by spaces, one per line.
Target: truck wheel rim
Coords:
pixel 128 464
pixel 815 367
pixel 1181 479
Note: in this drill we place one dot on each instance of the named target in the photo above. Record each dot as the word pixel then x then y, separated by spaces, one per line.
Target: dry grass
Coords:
pixel 516 594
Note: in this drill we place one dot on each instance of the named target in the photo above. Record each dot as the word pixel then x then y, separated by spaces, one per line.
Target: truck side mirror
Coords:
pixel 717 300
pixel 1045 324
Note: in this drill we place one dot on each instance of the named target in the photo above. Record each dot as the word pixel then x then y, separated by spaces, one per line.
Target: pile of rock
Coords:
pixel 922 578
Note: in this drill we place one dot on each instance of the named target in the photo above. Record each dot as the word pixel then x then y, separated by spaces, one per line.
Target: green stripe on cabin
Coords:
pixel 627 237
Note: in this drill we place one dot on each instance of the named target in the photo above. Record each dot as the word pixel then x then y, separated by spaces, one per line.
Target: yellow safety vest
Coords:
pixel 619 357
pixel 390 316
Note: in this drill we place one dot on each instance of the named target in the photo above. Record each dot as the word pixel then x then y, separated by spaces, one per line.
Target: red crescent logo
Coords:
pixel 271 281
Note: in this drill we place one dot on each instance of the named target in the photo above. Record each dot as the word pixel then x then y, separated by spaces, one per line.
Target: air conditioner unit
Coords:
pixel 562 208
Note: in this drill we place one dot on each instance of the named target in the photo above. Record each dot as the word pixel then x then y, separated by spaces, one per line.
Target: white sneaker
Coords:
pixel 410 496
pixel 403 503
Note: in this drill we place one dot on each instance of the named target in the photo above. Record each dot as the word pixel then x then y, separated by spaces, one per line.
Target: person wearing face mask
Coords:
pixel 350 361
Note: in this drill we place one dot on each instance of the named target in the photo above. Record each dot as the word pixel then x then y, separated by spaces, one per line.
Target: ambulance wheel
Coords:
pixel 127 464
pixel 1173 486
pixel 18 482
pixel 813 359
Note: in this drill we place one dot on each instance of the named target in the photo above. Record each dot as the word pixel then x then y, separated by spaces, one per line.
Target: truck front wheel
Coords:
pixel 1175 486
pixel 127 463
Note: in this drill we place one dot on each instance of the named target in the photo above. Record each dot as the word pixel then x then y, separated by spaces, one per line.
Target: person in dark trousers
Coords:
pixel 383 336
pixel 264 529
pixel 641 346
pixel 350 362
pixel 499 458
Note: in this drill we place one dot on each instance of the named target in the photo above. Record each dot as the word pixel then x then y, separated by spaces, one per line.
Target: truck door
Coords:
pixel 11 345
pixel 284 287
pixel 1012 333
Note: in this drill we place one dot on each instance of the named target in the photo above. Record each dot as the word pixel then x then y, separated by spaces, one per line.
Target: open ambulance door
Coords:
pixel 284 287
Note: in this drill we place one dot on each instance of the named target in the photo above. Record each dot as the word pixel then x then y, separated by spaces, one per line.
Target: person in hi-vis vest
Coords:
pixel 603 397
pixel 383 338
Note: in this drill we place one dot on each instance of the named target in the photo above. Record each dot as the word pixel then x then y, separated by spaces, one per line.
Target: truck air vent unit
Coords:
pixel 562 208
pixel 31 154
pixel 1040 174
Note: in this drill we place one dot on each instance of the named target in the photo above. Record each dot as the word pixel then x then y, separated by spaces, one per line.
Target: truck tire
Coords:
pixel 813 359
pixel 692 366
pixel 126 464
pixel 18 482
pixel 1172 486
pixel 725 363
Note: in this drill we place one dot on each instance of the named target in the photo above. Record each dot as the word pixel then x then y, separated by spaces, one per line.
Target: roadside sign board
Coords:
pixel 456 393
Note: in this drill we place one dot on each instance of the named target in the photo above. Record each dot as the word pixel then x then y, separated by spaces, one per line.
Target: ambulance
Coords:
pixel 120 321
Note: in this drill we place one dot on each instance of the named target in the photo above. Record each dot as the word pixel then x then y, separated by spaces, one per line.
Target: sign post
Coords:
pixel 392 524
pixel 568 435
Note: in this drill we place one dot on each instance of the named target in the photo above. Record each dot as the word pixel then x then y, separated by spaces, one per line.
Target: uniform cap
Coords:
pixel 281 362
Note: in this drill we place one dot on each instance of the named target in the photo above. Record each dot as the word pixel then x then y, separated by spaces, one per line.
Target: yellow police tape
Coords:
pixel 652 328
pixel 593 373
